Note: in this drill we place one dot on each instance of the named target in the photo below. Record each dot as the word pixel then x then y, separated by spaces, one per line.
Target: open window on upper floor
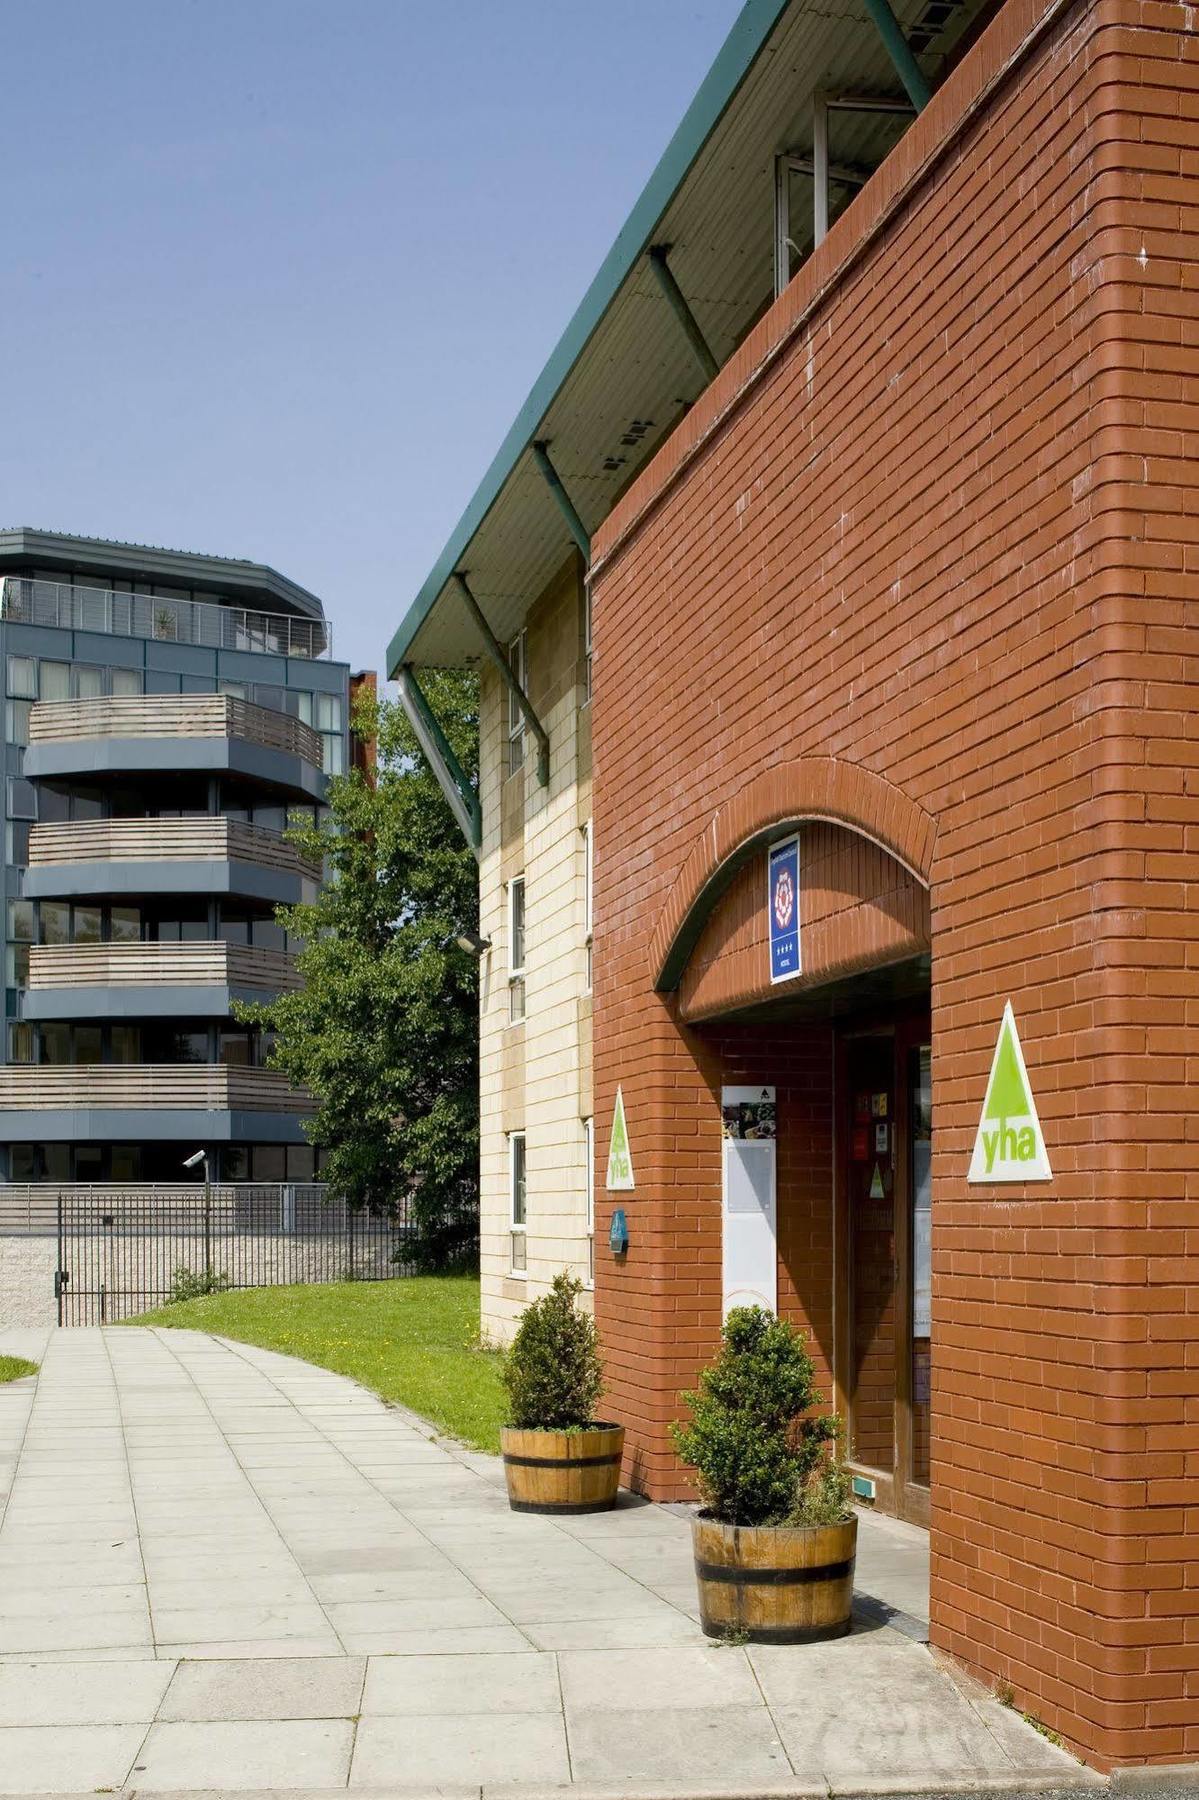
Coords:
pixel 518 656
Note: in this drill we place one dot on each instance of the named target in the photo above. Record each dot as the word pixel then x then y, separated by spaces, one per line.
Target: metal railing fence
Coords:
pixel 168 619
pixel 128 1248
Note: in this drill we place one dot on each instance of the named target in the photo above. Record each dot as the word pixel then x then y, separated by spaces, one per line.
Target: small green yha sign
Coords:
pixel 1010 1145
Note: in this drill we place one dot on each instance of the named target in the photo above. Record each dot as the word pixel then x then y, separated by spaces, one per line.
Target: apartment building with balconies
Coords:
pixel 167 716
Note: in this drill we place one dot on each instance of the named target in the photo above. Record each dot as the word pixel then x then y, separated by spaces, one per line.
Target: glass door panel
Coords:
pixel 920 1138
pixel 872 1253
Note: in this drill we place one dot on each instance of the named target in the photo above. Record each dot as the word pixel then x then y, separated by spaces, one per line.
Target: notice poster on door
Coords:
pixel 748 1209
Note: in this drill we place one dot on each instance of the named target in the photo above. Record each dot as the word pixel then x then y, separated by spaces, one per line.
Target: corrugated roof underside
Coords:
pixel 637 370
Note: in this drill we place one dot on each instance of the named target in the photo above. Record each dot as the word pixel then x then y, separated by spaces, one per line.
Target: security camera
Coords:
pixel 189 1162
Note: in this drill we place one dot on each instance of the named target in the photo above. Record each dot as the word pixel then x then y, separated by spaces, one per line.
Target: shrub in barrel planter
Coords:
pixel 776 1539
pixel 557 1457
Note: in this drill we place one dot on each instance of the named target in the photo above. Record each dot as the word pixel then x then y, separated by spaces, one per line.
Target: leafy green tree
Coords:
pixel 384 1031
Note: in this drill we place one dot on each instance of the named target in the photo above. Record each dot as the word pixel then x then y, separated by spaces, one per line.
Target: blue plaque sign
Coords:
pixel 782 906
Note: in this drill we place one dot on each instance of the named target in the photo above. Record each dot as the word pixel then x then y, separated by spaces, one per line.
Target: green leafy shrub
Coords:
pixel 753 1450
pixel 552 1371
pixel 186 1284
pixel 825 1498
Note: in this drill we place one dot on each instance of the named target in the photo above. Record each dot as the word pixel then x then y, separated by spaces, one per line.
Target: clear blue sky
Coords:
pixel 279 273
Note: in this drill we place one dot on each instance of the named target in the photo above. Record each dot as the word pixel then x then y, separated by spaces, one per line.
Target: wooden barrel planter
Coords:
pixel 562 1471
pixel 776 1584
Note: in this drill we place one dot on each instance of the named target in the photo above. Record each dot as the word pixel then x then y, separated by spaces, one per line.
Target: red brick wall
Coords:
pixel 947 482
pixel 798 1062
pixel 363 751
pixel 859 908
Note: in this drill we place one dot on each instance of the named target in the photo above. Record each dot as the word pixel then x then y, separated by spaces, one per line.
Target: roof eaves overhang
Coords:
pixel 736 57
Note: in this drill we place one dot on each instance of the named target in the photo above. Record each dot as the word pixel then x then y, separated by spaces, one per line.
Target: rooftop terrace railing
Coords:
pixel 168 619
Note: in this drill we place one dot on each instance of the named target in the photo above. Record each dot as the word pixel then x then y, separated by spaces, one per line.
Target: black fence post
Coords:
pixel 60 1272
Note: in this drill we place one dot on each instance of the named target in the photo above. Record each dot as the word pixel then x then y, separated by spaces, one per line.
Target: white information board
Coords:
pixel 748 1208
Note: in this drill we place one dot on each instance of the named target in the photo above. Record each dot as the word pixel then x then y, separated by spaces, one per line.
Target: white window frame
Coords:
pixel 516 969
pixel 518 1228
pixel 518 658
pixel 588 894
pixel 589 1152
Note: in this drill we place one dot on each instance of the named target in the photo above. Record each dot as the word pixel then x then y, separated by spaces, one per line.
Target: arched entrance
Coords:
pixel 823 1075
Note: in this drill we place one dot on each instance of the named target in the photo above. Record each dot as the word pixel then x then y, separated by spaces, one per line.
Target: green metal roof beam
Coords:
pixel 495 651
pixel 900 52
pixel 751 29
pixel 451 778
pixel 554 482
pixel 677 301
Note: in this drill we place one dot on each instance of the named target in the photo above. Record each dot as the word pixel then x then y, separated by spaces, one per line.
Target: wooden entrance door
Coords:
pixel 884 1226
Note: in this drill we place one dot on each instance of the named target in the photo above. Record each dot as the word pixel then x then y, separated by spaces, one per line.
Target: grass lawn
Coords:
pixel 412 1340
pixel 13 1367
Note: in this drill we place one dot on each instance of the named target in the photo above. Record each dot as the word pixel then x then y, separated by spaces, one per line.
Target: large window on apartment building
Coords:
pixel 20 936
pixel 518 656
pixel 324 712
pixel 516 950
pixel 30 678
pixel 517 1200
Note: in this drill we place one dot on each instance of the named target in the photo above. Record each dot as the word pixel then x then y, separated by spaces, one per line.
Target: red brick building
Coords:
pixel 909 581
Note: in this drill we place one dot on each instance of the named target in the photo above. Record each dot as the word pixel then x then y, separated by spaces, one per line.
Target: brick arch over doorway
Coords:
pixel 785 795
pixel 861 912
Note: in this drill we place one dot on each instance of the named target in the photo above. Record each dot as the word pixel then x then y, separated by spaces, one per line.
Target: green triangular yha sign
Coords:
pixel 1009 1145
pixel 620 1160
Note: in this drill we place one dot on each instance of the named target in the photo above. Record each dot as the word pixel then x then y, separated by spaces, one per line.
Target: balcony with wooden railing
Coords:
pixel 134 716
pixel 178 1087
pixel 160 965
pixel 196 839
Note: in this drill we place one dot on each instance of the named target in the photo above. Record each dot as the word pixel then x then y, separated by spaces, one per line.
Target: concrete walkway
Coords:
pixel 223 1569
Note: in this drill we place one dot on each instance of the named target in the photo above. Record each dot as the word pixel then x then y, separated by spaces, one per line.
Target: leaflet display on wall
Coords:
pixel 749 1248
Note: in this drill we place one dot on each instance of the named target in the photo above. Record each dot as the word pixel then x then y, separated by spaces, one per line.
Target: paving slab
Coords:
pixel 407 1686
pixel 649 1680
pixel 92 1693
pixel 461 1749
pixel 68 1759
pixel 460 1641
pixel 279 1688
pixel 233 1754
pixel 655 1630
pixel 247 1650
pixel 726 1745
pixel 71 1631
pixel 260 1621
